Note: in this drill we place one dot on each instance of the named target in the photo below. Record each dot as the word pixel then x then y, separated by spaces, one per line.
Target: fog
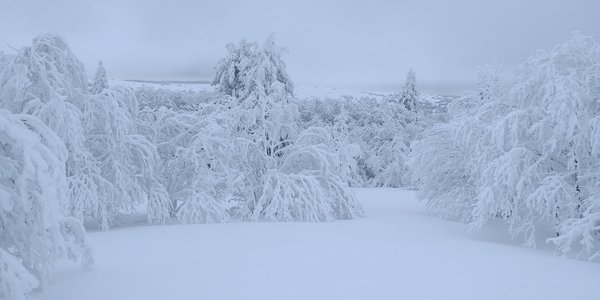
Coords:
pixel 359 44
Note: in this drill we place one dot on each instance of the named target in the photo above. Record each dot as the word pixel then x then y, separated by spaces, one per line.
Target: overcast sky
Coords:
pixel 342 43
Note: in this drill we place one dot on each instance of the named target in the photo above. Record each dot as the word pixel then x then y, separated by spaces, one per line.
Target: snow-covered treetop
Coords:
pixel 250 69
pixel 100 82
pixel 43 71
pixel 50 55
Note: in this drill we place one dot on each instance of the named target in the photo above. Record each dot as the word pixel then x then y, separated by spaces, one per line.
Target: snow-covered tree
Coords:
pixel 127 160
pixel 251 70
pixel 440 166
pixel 257 78
pixel 527 147
pixel 409 94
pixel 46 80
pixel 209 173
pixel 42 72
pixel 33 191
pixel 309 185
pixel 110 168
pixel 224 155
pixel 100 82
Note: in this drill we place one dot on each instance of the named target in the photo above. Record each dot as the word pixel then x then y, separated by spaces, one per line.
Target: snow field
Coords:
pixel 398 251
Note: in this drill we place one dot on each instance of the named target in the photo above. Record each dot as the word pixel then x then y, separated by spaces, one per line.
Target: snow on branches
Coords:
pixel 230 156
pixel 253 71
pixel 110 168
pixel 47 81
pixel 309 185
pixel 522 149
pixel 127 160
pixel 374 135
pixel 34 233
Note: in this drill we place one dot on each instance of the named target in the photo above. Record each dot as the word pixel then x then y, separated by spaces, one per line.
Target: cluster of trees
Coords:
pixel 70 153
pixel 374 134
pixel 523 148
pixel 240 154
pixel 75 152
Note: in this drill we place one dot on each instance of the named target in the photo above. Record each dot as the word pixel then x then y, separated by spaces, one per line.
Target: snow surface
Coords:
pixel 398 251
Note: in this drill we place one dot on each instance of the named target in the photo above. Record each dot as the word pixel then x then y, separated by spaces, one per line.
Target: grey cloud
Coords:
pixel 368 44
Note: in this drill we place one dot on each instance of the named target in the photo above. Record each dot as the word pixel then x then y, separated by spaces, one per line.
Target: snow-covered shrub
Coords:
pixel 213 169
pixel 298 197
pixel 271 127
pixel 204 159
pixel 218 165
pixel 33 191
pixel 439 166
pixel 127 160
pixel 528 143
pixel 326 150
pixel 16 282
pixel 309 185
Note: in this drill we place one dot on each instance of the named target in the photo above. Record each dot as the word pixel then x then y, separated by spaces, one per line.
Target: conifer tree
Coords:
pixel 410 95
pixel 100 82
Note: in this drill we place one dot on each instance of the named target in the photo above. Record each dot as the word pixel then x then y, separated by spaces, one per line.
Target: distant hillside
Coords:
pixel 166 82
pixel 435 103
pixel 429 103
